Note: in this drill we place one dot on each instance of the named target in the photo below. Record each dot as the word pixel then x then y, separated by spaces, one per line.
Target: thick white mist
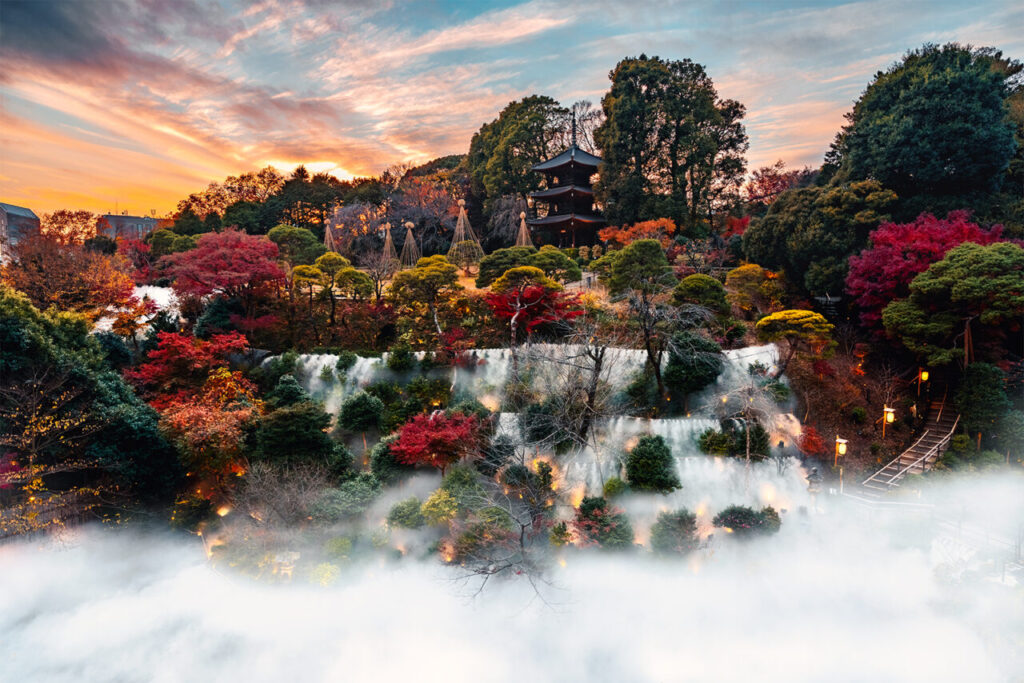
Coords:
pixel 843 594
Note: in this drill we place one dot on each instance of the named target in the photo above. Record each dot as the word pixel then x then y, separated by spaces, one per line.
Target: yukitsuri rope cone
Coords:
pixel 465 250
pixel 410 250
pixel 389 246
pixel 523 239
pixel 329 240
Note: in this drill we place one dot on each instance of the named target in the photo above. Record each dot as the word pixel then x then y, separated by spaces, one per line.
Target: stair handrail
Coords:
pixel 942 407
pixel 897 459
pixel 942 442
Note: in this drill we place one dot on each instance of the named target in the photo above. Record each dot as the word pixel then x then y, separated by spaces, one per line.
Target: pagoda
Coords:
pixel 564 212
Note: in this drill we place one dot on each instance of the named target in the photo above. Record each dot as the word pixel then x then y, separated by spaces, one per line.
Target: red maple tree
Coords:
pixel 436 440
pixel 231 263
pixel 208 428
pixel 900 251
pixel 533 306
pixel 810 442
pixel 768 182
pixel 140 256
pixel 181 364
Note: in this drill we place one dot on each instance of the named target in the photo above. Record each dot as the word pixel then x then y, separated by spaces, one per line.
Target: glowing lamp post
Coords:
pixel 840 450
pixel 922 376
pixel 888 417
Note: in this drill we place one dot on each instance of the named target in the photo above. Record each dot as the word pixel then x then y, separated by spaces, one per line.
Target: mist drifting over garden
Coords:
pixel 450 342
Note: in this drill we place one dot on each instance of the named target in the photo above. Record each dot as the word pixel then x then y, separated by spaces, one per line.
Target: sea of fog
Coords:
pixel 843 593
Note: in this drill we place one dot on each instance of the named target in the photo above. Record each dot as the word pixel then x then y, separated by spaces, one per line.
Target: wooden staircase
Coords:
pixel 919 458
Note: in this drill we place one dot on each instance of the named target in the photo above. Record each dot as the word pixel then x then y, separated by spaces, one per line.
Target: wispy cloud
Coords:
pixel 144 101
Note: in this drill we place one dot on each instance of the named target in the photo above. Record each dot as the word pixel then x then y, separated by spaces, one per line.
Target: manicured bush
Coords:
pixel 360 412
pixel 401 359
pixel 440 508
pixel 744 521
pixel 346 359
pixel 385 465
pixel 614 487
pixel 347 501
pixel 295 433
pixel 406 514
pixel 674 532
pixel 339 548
pixel 650 466
pixel 598 522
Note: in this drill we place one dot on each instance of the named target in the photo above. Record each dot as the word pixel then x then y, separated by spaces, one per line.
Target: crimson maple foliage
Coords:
pixel 139 255
pixel 900 251
pixel 231 263
pixel 533 306
pixel 436 440
pixel 181 364
pixel 736 226
pixel 768 182
pixel 811 442
pixel 208 428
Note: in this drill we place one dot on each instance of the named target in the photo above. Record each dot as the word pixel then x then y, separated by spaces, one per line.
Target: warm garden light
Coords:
pixel 888 417
pixel 551 364
pixel 922 376
pixel 840 449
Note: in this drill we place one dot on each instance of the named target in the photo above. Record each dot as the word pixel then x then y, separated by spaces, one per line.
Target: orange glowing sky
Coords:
pixel 136 103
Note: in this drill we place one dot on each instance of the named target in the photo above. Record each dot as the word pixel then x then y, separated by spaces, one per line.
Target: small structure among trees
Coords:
pixel 571 217
pixel 389 253
pixel 523 238
pixel 465 251
pixel 410 250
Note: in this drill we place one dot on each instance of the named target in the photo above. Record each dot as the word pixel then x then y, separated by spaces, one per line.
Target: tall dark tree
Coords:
pixel 935 123
pixel 671 147
pixel 811 232
pixel 502 152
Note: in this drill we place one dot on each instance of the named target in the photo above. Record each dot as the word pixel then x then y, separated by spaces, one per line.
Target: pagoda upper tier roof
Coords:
pixel 562 191
pixel 574 156
pixel 564 218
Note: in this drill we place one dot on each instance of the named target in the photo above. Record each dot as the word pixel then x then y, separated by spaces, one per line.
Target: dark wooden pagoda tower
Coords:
pixel 564 213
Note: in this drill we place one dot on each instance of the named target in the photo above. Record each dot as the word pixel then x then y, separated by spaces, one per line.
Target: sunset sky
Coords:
pixel 137 104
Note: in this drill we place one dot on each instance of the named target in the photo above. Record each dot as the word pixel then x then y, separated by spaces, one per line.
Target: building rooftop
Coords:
pixel 126 217
pixel 574 156
pixel 18 211
pixel 562 190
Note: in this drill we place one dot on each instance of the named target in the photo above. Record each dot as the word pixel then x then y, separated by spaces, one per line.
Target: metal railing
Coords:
pixel 922 461
pixel 895 462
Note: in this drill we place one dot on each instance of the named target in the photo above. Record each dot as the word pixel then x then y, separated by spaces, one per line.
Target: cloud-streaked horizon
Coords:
pixel 138 103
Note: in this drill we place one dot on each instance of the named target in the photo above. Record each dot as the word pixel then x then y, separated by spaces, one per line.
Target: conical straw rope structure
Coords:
pixel 410 250
pixel 465 250
pixel 523 239
pixel 389 245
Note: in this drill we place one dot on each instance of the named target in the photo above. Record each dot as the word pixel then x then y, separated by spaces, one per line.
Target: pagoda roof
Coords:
pixel 565 218
pixel 562 190
pixel 574 156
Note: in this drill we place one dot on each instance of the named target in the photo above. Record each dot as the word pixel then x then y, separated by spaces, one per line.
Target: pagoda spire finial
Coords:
pixel 574 127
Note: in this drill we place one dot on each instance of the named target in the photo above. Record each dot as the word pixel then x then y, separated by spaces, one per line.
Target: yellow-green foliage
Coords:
pixel 325 573
pixel 440 508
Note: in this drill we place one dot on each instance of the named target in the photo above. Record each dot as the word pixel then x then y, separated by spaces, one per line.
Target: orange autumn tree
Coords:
pixel 65 226
pixel 661 229
pixel 209 428
pixel 69 277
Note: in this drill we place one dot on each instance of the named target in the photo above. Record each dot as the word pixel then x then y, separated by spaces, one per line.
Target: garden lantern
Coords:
pixel 888 417
pixel 840 449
